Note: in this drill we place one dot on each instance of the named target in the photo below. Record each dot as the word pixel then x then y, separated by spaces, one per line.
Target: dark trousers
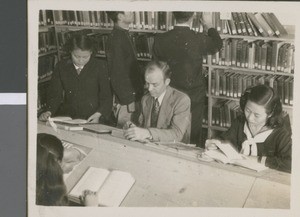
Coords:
pixel 197 110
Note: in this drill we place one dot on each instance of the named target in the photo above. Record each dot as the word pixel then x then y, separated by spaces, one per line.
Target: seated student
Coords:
pixel 79 86
pixel 165 114
pixel 50 186
pixel 260 132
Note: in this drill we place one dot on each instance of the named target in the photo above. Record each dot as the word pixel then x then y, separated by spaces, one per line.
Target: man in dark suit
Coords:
pixel 183 50
pixel 165 114
pixel 125 75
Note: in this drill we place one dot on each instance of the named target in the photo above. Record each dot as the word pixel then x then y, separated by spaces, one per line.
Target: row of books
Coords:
pixel 233 84
pixel 223 113
pixel 46 17
pixel 259 54
pixel 46 66
pixel 47 41
pixel 238 23
pixel 249 24
pixel 142 43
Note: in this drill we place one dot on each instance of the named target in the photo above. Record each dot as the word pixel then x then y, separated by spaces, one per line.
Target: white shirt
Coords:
pixel 161 97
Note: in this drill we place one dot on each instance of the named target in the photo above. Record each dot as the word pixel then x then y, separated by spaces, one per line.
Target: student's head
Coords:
pixel 182 17
pixel 261 106
pixel 125 17
pixel 50 187
pixel 157 77
pixel 81 48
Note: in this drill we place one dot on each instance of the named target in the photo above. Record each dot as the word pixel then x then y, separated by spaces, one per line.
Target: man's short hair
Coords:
pixel 163 66
pixel 113 15
pixel 182 17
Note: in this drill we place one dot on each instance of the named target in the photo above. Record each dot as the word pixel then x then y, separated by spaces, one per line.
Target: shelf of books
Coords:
pixel 257 48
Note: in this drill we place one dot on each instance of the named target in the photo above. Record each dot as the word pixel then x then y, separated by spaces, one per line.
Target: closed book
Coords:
pixel 279 26
pixel 257 24
pixel 287 90
pixel 291 92
pixel 233 51
pixel 269 20
pixel 264 24
pixel 217 21
pixel 232 27
pixel 243 25
pixel 254 30
pixel 217 83
pixel 289 59
pixel 275 49
pixel 264 48
pixel 111 186
pixel 239 52
pixel 247 24
pixel 237 23
pixel 280 87
pixel 269 56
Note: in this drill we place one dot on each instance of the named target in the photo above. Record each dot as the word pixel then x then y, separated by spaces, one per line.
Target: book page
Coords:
pixel 91 180
pixel 218 156
pixel 115 188
pixel 229 151
pixel 250 164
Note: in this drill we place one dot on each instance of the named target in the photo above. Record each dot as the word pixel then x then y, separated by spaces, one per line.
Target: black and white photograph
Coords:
pixel 186 106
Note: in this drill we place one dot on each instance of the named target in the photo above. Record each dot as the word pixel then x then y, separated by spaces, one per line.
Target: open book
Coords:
pixel 111 186
pixel 226 154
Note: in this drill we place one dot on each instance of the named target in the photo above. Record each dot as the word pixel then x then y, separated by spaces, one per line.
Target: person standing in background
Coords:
pixel 125 74
pixel 183 50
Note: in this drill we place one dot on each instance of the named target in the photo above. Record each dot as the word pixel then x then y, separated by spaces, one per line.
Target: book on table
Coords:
pixel 67 123
pixel 111 186
pixel 227 154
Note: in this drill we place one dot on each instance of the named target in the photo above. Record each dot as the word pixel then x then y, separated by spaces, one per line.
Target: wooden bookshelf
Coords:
pixel 106 29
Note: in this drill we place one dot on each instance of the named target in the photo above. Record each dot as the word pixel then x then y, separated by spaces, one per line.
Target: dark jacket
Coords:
pixel 79 96
pixel 125 74
pixel 277 147
pixel 183 50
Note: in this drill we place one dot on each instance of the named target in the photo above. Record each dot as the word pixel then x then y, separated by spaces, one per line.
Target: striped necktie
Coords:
pixel 154 113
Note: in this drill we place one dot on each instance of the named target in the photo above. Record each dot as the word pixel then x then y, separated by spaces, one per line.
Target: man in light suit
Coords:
pixel 165 111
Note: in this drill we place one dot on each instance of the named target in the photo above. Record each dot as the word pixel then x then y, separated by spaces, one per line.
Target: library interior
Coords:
pixel 164 109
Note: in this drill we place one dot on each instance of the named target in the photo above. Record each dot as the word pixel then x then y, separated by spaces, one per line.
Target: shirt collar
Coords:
pixel 258 138
pixel 182 25
pixel 161 97
pixel 77 67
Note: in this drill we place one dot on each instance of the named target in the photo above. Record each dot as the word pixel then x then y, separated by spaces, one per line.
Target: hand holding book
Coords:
pixel 225 153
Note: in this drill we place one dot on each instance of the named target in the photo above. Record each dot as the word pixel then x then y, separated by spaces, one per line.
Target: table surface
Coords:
pixel 174 177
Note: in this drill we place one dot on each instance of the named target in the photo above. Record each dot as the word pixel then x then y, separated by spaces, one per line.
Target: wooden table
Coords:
pixel 166 177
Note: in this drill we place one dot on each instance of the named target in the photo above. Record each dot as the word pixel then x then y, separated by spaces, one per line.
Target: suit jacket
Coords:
pixel 174 119
pixel 79 96
pixel 183 50
pixel 125 75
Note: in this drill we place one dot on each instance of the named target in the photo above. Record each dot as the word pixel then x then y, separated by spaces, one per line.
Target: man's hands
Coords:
pixel 133 132
pixel 44 116
pixel 94 118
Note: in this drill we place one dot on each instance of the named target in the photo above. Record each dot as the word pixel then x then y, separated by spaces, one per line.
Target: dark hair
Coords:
pixel 113 15
pixel 182 17
pixel 265 96
pixel 50 186
pixel 163 66
pixel 79 41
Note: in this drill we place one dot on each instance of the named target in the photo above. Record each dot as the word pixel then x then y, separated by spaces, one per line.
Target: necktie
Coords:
pixel 78 70
pixel 154 113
